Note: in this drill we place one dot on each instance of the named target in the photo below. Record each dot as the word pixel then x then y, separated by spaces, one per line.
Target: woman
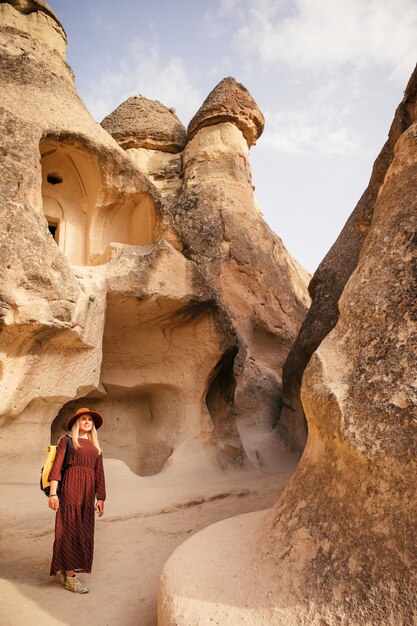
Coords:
pixel 82 482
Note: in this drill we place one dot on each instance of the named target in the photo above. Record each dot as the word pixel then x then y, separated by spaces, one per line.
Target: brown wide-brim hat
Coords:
pixel 97 419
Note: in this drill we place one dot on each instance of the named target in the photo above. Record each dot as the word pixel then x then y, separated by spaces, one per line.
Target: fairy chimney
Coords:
pixel 142 123
pixel 153 137
pixel 230 102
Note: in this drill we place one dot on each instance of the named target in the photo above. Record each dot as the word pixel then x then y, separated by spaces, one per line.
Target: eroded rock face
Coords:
pixel 339 546
pixel 127 283
pixel 331 276
pixel 355 533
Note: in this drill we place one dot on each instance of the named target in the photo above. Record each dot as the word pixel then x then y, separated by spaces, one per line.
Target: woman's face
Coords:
pixel 85 423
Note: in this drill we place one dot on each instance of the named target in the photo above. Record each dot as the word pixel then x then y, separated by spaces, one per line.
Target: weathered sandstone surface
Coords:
pixel 338 548
pixel 137 275
pixel 331 276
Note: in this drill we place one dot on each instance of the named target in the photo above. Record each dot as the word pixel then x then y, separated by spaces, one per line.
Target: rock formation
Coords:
pixel 137 276
pixel 339 546
pixel 331 276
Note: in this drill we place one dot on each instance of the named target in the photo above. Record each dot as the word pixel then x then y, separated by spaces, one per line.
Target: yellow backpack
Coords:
pixel 47 466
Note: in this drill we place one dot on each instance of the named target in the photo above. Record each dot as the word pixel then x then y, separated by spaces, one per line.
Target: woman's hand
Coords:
pixel 54 503
pixel 99 507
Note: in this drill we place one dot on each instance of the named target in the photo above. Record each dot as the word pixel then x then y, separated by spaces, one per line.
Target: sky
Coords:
pixel 327 74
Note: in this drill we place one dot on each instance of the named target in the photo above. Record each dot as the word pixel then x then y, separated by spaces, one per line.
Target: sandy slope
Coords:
pixel 145 520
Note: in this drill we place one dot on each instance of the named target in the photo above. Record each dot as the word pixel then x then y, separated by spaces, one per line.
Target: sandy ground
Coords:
pixel 145 520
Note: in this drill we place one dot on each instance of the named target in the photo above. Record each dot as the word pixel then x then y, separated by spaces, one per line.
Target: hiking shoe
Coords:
pixel 72 583
pixel 61 576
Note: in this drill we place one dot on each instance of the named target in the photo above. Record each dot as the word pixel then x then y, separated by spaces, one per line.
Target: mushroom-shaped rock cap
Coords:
pixel 143 123
pixel 31 6
pixel 230 102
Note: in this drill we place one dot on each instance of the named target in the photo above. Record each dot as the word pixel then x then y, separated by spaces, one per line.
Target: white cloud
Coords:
pixel 331 34
pixel 101 22
pixel 319 131
pixel 215 19
pixel 231 7
pixel 214 27
pixel 144 72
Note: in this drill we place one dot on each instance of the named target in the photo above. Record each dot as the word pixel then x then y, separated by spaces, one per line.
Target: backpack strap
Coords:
pixel 68 443
pixel 67 452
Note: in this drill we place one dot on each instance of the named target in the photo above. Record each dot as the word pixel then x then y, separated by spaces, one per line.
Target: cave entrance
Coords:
pixel 220 398
pixel 140 424
pixel 220 394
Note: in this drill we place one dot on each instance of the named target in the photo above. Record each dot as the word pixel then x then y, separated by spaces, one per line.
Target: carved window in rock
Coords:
pixel 53 228
pixel 85 213
pixel 69 188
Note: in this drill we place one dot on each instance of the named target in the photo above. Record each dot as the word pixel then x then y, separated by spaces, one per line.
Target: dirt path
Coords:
pixel 131 548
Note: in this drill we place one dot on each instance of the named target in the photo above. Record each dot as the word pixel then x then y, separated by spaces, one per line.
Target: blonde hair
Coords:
pixel 92 435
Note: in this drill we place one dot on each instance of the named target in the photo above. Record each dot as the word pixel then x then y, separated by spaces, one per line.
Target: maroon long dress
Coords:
pixel 82 482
